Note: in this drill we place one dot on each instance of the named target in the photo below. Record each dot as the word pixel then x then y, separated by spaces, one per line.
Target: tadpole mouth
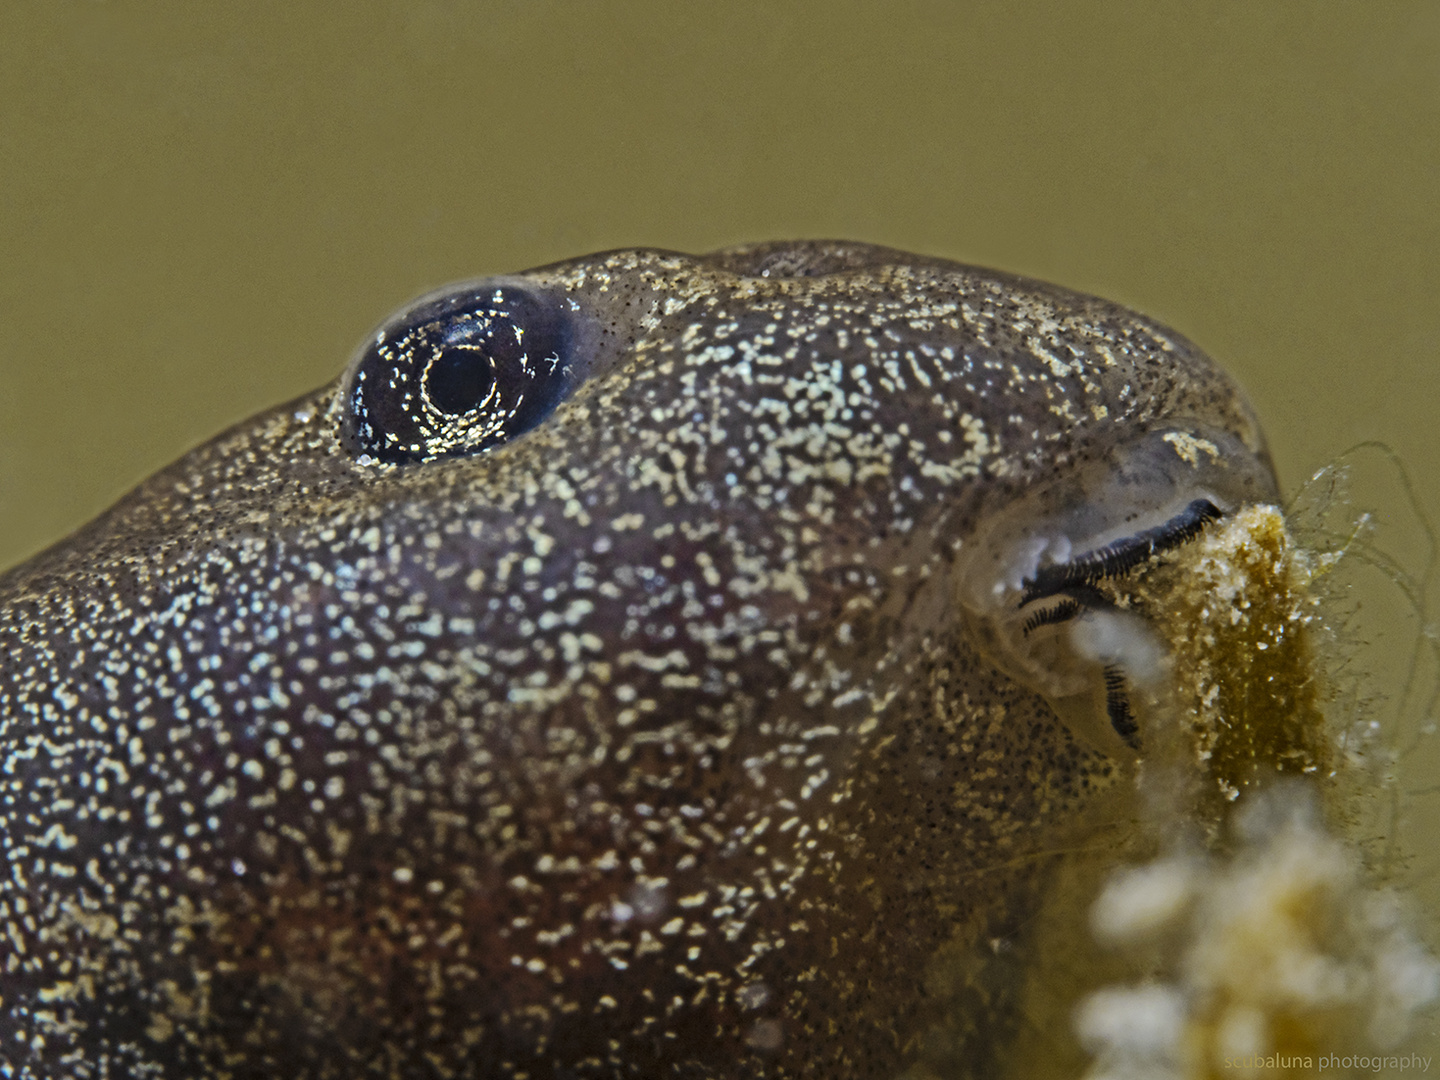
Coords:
pixel 1045 582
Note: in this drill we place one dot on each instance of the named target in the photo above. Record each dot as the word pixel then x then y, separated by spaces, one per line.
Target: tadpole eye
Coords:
pixel 458 373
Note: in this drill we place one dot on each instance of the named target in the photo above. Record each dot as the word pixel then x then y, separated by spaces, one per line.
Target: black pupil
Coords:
pixel 460 378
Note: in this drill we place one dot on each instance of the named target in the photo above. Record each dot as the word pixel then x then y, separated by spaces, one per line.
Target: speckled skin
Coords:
pixel 650 743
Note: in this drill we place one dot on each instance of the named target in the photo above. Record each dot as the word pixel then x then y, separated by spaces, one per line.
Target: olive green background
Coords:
pixel 203 207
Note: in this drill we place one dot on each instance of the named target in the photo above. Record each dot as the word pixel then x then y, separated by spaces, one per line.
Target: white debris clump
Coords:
pixel 1276 959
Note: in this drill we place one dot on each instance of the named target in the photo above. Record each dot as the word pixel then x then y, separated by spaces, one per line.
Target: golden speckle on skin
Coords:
pixel 663 739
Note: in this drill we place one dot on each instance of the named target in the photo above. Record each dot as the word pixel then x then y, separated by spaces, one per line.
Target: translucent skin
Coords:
pixel 652 742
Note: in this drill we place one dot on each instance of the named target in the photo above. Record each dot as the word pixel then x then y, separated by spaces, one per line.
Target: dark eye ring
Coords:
pixel 458 373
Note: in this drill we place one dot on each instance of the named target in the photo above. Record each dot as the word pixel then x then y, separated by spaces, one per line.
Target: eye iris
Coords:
pixel 459 379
